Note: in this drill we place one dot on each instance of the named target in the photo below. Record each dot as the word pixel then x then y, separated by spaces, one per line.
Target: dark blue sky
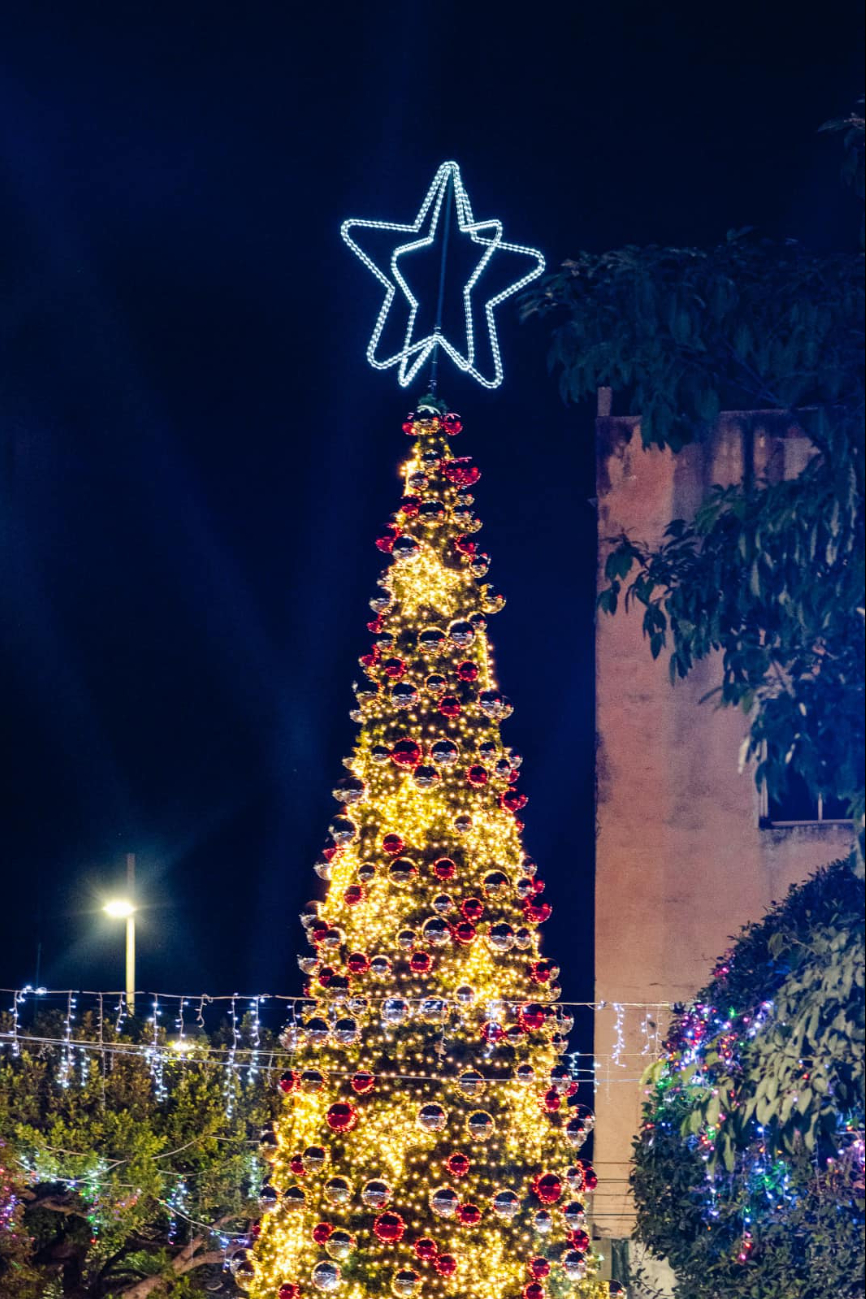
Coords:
pixel 196 457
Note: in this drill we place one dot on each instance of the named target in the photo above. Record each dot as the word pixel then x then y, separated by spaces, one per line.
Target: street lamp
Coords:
pixel 119 909
pixel 124 909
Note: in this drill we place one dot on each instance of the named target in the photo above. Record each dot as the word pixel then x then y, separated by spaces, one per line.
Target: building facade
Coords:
pixel 687 849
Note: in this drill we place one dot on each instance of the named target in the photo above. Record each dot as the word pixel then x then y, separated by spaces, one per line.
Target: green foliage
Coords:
pixel 768 574
pixel 746 1173
pixel 684 333
pixel 104 1157
pixel 17 1274
pixel 771 579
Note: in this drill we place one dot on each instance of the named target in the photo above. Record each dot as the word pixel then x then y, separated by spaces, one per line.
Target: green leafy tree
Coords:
pixel 125 1169
pixel 768 575
pixel 748 1170
pixel 17 1274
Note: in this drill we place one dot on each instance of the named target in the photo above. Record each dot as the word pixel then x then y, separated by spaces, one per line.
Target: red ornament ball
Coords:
pixel 548 1188
pixel 469 1215
pixel 386 542
pixel 458 1165
pixel 426 1248
pixel 290 1081
pixel 296 1164
pixel 322 1232
pixel 492 1032
pixel 452 424
pixel 532 1017
pixel 358 963
pixel 539 1268
pixel 450 706
pixel 393 845
pixel 535 1290
pixel 389 1228
pixel 446 1264
pixel 541 971
pixel 472 909
pixel 363 1082
pixel 409 506
pixel 406 753
pixel 552 1101
pixel 444 868
pixel 420 962
pixel 461 471
pixel 477 775
pixel 579 1240
pixel 468 671
pixel 465 932
pixel 513 800
pixel 465 545
pixel 289 1291
pixel 394 668
pixel 537 912
pixel 355 894
pixel 342 1117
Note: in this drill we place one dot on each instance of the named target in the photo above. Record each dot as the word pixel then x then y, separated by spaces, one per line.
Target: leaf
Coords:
pixel 619 562
pixel 607 599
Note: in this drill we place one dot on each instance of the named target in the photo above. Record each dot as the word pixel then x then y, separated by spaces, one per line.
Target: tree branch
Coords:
pixel 186 1260
pixel 180 1265
pixel 54 1204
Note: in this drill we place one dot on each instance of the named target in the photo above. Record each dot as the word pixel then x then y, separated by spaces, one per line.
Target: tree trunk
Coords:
pixel 187 1261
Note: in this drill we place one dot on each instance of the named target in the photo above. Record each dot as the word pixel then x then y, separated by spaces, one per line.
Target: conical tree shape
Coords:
pixel 428 1146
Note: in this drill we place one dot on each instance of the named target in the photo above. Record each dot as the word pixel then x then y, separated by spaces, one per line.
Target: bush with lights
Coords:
pixel 431 1137
pixel 125 1164
pixel 748 1171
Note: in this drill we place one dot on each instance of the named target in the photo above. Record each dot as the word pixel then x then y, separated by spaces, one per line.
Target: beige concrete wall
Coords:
pixel 681 861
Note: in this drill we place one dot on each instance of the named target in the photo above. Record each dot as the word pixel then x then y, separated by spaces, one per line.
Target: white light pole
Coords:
pixel 124 909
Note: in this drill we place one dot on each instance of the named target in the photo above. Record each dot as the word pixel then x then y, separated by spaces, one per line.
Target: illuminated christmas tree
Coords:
pixel 430 1143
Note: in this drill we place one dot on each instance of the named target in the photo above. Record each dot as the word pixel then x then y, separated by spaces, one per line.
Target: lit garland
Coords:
pixel 245 1057
pixel 230 1088
pixel 64 1070
pixel 157 1056
pixel 431 1134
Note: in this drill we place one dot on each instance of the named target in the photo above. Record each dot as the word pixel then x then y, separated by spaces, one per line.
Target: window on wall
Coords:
pixel 798 806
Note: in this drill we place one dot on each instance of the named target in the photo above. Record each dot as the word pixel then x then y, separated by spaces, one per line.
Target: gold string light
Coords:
pixel 428 1146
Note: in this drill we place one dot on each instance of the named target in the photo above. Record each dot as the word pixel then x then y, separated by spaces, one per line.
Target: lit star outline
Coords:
pixel 415 352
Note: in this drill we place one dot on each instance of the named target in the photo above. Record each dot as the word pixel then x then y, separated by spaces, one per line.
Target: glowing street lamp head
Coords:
pixel 119 909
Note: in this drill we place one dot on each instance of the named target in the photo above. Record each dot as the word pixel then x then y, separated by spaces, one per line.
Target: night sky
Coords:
pixel 196 457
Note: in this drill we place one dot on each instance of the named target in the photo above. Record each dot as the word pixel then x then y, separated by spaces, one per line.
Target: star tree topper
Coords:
pixel 422 231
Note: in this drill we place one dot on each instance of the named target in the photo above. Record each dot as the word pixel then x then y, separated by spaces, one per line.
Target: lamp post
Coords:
pixel 124 909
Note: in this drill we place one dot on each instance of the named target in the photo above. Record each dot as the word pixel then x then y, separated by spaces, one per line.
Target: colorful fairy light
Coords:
pixel 702 1038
